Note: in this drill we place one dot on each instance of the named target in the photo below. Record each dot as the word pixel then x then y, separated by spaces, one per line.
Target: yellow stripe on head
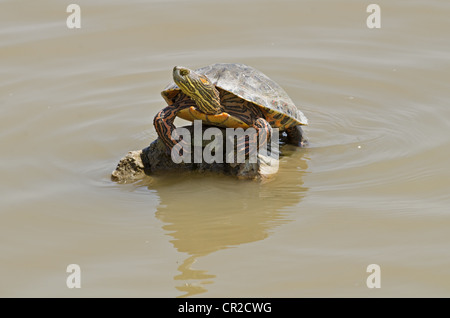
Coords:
pixel 199 88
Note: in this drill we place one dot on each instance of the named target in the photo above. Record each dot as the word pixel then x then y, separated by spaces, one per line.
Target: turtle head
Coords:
pixel 199 88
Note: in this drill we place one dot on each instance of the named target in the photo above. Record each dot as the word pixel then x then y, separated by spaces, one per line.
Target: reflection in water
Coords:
pixel 204 214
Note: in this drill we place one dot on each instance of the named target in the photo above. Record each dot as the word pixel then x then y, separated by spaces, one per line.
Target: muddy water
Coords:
pixel 372 188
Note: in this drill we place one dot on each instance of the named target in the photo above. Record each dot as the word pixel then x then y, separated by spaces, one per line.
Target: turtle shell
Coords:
pixel 249 84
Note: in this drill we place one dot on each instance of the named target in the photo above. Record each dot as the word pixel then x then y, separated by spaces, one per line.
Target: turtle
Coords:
pixel 229 95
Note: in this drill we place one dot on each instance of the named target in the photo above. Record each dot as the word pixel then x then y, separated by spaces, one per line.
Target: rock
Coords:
pixel 156 160
pixel 130 168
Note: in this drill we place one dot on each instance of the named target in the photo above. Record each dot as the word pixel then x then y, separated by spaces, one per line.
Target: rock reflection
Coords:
pixel 204 214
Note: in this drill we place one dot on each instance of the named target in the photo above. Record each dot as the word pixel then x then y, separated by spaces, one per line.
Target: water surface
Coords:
pixel 372 188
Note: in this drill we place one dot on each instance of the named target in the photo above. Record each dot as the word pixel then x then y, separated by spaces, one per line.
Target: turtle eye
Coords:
pixel 204 81
pixel 184 72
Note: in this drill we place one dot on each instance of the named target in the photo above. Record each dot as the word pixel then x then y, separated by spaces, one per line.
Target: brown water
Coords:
pixel 373 188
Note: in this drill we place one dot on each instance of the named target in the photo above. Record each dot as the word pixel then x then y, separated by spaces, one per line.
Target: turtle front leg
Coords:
pixel 164 126
pixel 255 141
pixel 167 132
pixel 264 132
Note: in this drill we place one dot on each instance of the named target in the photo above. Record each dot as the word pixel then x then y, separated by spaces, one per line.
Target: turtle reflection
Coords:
pixel 204 214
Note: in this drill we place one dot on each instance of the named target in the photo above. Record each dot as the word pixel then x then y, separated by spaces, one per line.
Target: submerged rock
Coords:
pixel 156 160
